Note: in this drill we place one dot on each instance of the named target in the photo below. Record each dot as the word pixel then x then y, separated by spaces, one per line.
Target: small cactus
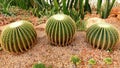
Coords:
pixel 107 60
pixel 102 36
pixel 60 29
pixel 92 61
pixel 18 36
pixel 39 65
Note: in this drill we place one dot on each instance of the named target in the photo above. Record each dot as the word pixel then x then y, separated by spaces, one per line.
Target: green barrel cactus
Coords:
pixel 102 36
pixel 60 29
pixel 18 36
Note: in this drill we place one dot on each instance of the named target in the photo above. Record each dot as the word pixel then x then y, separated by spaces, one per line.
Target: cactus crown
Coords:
pixel 59 17
pixel 60 29
pixel 102 35
pixel 18 36
pixel 16 24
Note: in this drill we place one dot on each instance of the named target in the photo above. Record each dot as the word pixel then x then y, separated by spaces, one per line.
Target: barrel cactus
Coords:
pixel 60 29
pixel 18 36
pixel 102 36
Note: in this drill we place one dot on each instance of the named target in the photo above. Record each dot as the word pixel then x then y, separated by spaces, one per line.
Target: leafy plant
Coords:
pixel 83 9
pixel 24 4
pixel 18 36
pixel 65 5
pixel 81 25
pixel 75 60
pixel 106 11
pixel 87 6
pixel 42 8
pixel 60 29
pixel 5 4
pixel 39 65
pixel 102 35
pixel 91 61
pixel 108 60
pixel 99 5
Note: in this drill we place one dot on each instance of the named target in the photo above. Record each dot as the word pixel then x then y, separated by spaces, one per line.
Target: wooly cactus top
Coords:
pixel 92 21
pixel 102 35
pixel 60 29
pixel 18 36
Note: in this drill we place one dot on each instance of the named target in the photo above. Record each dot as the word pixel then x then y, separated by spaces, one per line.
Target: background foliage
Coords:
pixel 77 9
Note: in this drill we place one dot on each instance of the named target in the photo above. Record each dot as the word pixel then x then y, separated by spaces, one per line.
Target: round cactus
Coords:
pixel 60 29
pixel 102 36
pixel 18 36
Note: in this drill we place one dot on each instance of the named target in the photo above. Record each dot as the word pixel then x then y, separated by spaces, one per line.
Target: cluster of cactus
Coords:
pixel 102 36
pixel 60 29
pixel 18 37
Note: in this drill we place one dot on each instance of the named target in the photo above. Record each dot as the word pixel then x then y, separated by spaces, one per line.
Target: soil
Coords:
pixel 58 57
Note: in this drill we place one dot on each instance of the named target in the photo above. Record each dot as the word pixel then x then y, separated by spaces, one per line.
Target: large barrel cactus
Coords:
pixel 18 36
pixel 60 29
pixel 102 36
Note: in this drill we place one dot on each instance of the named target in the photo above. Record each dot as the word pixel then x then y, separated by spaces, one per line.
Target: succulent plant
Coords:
pixel 75 59
pixel 18 36
pixel 92 61
pixel 60 29
pixel 39 65
pixel 107 60
pixel 102 36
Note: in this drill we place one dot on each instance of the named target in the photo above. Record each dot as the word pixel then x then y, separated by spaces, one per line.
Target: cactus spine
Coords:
pixel 60 29
pixel 18 36
pixel 102 36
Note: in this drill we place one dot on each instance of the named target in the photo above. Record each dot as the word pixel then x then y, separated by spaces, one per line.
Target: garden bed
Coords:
pixel 59 57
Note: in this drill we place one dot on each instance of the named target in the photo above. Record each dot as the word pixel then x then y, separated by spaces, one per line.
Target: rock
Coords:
pixel 41 27
pixel 118 16
pixel 115 12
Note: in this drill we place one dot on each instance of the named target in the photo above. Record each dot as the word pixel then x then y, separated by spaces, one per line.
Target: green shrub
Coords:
pixel 39 65
pixel 18 36
pixel 24 4
pixel 107 60
pixel 92 61
pixel 102 36
pixel 60 29
pixel 75 59
pixel 5 5
pixel 104 10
